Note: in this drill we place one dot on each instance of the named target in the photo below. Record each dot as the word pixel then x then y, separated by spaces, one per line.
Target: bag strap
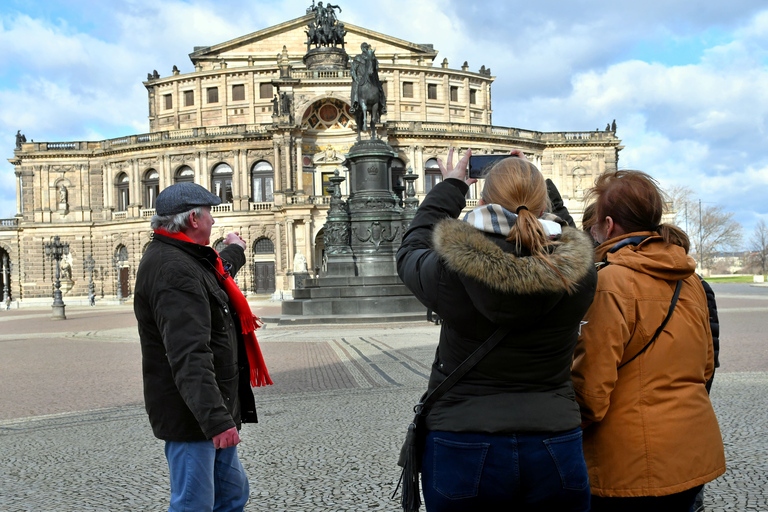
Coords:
pixel 661 327
pixel 423 407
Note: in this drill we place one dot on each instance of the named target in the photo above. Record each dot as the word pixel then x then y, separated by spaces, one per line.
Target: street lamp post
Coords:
pixel 116 265
pixel 56 250
pixel 7 281
pixel 90 264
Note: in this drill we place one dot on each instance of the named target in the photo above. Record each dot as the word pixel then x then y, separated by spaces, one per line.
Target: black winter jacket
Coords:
pixel 476 282
pixel 193 356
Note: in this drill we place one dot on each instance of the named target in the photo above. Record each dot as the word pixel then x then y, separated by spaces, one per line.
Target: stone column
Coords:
pixel 308 243
pixel 286 148
pixel 423 94
pixel 19 203
pixel 278 248
pixel 418 168
pixel 289 239
pixel 277 166
pixel 201 170
pixel 299 166
pixel 236 180
pixel 396 88
pixel 467 115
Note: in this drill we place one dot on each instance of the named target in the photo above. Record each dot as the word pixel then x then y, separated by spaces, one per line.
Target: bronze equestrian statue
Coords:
pixel 368 99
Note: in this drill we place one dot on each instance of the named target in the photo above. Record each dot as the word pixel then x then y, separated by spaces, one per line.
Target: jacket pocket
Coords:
pixel 457 467
pixel 567 454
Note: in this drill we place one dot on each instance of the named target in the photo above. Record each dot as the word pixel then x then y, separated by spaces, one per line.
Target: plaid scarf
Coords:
pixel 494 218
pixel 248 321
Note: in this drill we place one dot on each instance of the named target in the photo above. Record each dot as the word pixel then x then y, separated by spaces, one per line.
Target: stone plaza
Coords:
pixel 74 435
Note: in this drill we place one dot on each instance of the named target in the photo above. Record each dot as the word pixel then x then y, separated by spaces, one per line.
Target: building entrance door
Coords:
pixel 124 288
pixel 264 277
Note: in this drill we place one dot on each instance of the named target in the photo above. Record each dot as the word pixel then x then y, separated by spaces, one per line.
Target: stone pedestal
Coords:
pixel 362 236
pixel 326 58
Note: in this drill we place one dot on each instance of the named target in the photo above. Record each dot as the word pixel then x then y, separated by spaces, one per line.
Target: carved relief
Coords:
pixel 182 159
pixel 372 204
pixel 221 155
pixel 336 237
pixel 376 234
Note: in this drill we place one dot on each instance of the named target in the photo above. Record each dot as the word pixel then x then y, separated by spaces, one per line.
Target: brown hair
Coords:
pixel 518 186
pixel 589 218
pixel 635 202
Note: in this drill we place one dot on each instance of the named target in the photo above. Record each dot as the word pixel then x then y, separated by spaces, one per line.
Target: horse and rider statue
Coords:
pixel 367 97
pixel 325 30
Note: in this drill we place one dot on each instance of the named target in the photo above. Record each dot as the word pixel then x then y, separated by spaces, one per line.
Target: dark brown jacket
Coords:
pixel 194 365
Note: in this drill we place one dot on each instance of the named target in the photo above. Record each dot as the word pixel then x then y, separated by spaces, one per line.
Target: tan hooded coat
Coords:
pixel 649 428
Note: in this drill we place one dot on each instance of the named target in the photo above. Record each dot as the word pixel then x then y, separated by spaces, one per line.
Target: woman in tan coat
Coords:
pixel 651 438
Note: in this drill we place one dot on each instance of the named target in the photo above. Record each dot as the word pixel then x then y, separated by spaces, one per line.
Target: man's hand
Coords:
pixel 234 238
pixel 226 439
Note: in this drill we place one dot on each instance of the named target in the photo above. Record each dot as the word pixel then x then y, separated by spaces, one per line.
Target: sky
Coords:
pixel 686 81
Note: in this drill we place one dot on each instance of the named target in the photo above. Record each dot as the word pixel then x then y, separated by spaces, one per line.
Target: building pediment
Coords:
pixel 258 48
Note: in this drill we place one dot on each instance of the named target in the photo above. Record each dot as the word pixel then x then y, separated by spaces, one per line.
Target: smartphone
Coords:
pixel 479 164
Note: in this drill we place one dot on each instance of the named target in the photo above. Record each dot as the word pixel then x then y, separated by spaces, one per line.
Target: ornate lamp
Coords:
pixel 55 249
pixel 90 264
pixel 116 265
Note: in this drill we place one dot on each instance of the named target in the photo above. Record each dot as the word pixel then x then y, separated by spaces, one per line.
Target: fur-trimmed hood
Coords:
pixel 472 253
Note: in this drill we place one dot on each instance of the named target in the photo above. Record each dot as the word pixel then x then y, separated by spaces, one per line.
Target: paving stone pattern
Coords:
pixel 329 431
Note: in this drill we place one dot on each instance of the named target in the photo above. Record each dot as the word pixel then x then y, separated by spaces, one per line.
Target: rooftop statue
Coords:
pixel 325 30
pixel 20 139
pixel 367 97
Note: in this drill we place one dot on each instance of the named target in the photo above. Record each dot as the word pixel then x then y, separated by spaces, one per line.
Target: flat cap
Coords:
pixel 182 197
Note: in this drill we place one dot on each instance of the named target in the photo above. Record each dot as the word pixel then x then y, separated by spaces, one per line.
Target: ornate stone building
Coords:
pixel 264 131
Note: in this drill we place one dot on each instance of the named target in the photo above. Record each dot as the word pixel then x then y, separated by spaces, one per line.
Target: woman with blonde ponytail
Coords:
pixel 506 436
pixel 651 438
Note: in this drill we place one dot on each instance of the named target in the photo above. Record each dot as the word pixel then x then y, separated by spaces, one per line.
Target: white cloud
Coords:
pixel 559 66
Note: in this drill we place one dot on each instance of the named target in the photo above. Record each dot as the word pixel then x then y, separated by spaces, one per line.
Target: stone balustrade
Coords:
pixel 120 215
pixel 148 212
pixel 9 223
pixel 261 207
pixel 394 127
pixel 222 208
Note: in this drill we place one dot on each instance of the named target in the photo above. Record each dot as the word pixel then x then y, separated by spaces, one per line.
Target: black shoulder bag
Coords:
pixel 661 327
pixel 413 447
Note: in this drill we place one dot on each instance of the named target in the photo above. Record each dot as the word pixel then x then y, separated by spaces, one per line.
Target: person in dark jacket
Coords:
pixel 507 435
pixel 198 351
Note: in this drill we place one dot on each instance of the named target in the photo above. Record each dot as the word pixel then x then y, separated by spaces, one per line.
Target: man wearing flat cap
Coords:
pixel 200 356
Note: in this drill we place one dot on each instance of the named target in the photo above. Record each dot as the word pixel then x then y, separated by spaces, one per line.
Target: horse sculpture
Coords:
pixel 368 101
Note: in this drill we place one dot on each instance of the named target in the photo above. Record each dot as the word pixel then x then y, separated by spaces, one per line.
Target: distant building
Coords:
pixel 261 129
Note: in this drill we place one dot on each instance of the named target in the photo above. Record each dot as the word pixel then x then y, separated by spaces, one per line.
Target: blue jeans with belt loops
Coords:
pixel 204 479
pixel 536 472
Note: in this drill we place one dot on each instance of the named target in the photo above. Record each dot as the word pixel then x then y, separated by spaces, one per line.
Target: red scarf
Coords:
pixel 248 321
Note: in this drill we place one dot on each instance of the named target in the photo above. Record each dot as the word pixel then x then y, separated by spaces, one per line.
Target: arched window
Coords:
pixel 432 175
pixel 263 246
pixel 123 198
pixel 121 254
pixel 262 182
pixel 221 181
pixel 151 184
pixel 397 170
pixel 184 174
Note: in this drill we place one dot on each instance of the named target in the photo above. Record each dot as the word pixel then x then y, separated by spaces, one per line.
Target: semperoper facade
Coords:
pixel 259 124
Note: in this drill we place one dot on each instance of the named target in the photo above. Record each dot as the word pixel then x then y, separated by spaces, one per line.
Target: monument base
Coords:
pixel 326 58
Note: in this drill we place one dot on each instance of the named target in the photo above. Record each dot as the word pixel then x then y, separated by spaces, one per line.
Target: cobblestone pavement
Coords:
pixel 74 434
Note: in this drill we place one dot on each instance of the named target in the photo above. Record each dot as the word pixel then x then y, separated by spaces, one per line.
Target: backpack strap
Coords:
pixel 661 327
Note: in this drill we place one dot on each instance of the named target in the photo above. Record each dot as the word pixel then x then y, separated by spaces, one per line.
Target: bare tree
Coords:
pixel 709 227
pixel 758 244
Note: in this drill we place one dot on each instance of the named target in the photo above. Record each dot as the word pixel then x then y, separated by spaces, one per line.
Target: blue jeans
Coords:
pixel 469 472
pixel 204 479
